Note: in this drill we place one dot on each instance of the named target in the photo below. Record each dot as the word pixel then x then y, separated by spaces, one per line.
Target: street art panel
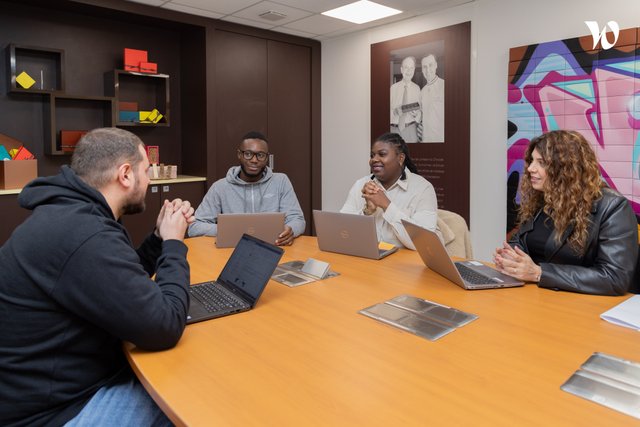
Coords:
pixel 569 84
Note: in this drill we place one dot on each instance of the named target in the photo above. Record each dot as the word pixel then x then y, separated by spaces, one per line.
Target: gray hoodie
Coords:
pixel 272 193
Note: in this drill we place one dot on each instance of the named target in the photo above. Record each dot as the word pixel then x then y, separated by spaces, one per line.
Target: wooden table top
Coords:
pixel 304 356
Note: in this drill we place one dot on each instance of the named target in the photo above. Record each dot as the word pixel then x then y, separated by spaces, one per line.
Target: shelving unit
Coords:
pixel 44 65
pixel 78 112
pixel 69 112
pixel 148 90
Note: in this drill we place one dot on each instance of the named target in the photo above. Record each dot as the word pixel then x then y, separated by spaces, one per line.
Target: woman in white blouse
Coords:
pixel 393 192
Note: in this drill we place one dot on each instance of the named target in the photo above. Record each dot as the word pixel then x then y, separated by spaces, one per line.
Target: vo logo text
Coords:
pixel 597 34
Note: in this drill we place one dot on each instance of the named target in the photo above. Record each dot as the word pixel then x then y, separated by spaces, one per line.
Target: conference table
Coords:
pixel 304 356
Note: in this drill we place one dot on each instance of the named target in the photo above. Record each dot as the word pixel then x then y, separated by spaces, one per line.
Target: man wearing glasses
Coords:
pixel 251 187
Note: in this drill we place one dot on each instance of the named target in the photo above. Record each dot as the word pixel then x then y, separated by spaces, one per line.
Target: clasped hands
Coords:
pixel 516 263
pixel 173 219
pixel 374 197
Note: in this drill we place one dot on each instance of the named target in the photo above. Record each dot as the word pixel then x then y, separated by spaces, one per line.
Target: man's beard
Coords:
pixel 136 204
pixel 133 208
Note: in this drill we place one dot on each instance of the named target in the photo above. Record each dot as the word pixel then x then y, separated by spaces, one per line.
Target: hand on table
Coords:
pixel 516 263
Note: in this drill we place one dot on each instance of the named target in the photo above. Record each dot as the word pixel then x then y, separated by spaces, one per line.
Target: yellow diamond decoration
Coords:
pixel 25 80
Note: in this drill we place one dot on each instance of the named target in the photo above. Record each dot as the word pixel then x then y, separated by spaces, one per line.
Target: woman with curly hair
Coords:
pixel 574 233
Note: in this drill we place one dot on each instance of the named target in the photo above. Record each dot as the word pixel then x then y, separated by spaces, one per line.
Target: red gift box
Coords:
pixel 149 67
pixel 23 154
pixel 133 58
pixel 69 139
pixel 128 106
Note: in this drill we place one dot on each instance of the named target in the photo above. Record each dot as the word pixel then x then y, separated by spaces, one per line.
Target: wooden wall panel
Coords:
pixel 241 93
pixel 289 115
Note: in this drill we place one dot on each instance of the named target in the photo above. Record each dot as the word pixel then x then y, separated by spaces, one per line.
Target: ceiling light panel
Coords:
pixel 319 24
pixel 362 11
pixel 316 6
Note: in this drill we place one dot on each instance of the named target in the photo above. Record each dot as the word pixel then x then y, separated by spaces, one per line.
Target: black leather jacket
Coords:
pixel 607 266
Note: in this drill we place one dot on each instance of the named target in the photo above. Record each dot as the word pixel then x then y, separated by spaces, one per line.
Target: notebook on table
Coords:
pixel 467 274
pixel 265 226
pixel 350 234
pixel 240 284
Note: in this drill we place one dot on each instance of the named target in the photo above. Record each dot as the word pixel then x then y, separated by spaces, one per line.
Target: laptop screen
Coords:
pixel 250 267
pixel 264 225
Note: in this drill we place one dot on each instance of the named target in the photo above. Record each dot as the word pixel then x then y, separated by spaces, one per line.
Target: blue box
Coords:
pixel 129 116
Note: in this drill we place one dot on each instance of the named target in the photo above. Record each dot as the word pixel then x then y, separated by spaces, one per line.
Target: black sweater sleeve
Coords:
pixel 149 252
pixel 105 283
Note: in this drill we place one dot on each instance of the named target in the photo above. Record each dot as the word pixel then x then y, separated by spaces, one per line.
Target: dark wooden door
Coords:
pixel 241 93
pixel 265 85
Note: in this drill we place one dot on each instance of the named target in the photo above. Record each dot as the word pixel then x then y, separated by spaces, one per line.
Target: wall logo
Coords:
pixel 598 35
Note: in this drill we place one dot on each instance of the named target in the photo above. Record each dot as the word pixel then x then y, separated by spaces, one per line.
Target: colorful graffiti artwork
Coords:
pixel 567 85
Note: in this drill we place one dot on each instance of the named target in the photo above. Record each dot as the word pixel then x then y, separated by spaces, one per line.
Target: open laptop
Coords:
pixel 349 234
pixel 240 284
pixel 265 226
pixel 466 274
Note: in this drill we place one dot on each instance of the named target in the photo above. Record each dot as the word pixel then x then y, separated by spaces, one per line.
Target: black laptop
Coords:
pixel 240 284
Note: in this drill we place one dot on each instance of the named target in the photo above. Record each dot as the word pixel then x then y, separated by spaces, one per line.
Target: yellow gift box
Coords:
pixel 153 116
pixel 144 116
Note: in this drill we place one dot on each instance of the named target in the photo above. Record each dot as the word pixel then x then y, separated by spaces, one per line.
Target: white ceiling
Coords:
pixel 303 17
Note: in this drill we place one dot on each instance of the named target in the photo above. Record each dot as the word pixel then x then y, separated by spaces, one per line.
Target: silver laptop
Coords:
pixel 349 234
pixel 468 274
pixel 265 226
pixel 240 284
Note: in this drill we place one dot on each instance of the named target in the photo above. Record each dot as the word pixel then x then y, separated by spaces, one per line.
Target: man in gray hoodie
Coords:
pixel 251 187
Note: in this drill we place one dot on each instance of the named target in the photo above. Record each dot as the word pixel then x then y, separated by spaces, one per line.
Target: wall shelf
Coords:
pixel 44 65
pixel 149 91
pixel 80 113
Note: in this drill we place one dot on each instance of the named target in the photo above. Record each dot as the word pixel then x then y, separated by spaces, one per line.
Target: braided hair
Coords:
pixel 401 147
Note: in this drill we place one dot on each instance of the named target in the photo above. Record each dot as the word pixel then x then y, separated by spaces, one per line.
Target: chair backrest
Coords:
pixel 455 232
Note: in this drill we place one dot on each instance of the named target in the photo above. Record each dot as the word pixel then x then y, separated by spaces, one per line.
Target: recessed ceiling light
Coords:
pixel 361 11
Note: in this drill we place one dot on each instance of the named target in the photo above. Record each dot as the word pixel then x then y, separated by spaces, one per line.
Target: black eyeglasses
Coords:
pixel 248 155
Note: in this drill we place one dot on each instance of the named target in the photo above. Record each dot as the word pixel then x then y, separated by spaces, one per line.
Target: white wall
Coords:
pixel 496 26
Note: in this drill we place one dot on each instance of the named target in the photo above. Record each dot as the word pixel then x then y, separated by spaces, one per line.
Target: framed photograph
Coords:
pixel 153 154
pixel 409 97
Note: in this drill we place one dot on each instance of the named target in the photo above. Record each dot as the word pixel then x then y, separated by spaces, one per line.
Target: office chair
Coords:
pixel 455 232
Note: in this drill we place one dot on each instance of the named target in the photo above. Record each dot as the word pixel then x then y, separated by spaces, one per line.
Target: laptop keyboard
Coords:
pixel 472 276
pixel 215 298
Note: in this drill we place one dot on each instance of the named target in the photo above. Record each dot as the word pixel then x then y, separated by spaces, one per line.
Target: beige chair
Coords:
pixel 455 233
